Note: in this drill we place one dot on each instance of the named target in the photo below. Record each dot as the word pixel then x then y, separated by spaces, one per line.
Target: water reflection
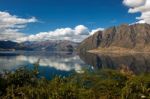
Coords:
pixel 10 63
pixel 58 61
pixel 138 63
pixel 62 63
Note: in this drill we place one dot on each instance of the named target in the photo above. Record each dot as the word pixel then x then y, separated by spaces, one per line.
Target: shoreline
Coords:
pixel 112 51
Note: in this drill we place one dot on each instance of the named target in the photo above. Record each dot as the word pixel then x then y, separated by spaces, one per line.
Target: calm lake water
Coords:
pixel 64 64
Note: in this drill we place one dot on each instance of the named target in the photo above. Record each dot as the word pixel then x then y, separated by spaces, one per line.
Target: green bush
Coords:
pixel 104 84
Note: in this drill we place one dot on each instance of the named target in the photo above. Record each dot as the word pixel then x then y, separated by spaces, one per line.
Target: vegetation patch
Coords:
pixel 103 84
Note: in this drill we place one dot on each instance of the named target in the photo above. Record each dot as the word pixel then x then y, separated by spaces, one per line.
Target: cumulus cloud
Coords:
pixel 96 30
pixel 76 34
pixel 142 6
pixel 10 26
pixel 134 3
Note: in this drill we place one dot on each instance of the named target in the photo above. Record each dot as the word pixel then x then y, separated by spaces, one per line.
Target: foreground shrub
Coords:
pixel 104 84
pixel 137 87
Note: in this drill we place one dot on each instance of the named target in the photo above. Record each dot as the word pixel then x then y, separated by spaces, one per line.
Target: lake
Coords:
pixel 64 64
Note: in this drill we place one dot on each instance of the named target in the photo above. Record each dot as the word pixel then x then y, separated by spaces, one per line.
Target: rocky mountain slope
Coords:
pixel 62 45
pixel 59 45
pixel 7 45
pixel 10 45
pixel 135 37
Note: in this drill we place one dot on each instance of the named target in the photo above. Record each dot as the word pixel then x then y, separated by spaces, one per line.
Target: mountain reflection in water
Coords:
pixel 63 63
pixel 138 63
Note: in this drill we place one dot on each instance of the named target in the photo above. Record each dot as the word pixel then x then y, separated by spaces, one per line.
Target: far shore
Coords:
pixel 117 51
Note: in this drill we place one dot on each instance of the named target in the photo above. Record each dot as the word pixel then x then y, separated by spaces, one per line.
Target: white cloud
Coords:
pixel 142 6
pixel 10 34
pixel 81 30
pixel 10 26
pixel 76 34
pixel 134 3
pixel 96 30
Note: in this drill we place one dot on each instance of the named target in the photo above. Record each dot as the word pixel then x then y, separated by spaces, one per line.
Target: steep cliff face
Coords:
pixel 135 36
pixel 91 42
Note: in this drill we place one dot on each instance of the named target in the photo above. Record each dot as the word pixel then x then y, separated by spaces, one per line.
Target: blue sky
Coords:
pixel 54 14
pixel 69 13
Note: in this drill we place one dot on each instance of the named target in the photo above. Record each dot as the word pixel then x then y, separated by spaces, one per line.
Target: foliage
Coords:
pixel 104 84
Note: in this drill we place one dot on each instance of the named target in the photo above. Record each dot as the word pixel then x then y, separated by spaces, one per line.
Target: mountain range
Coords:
pixel 52 45
pixel 59 45
pixel 121 38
